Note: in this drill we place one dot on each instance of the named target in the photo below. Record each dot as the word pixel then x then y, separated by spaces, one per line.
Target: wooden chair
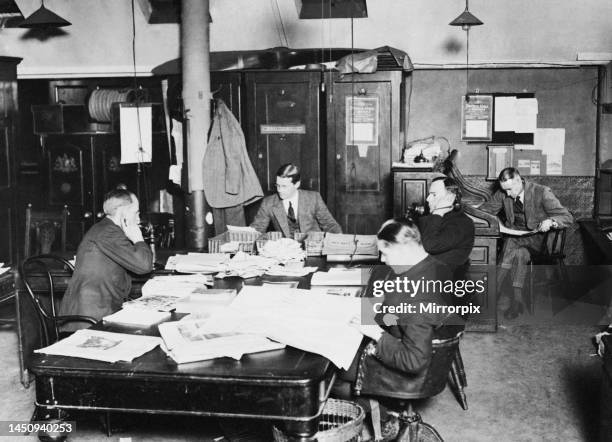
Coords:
pixel 446 367
pixel 44 226
pixel 551 253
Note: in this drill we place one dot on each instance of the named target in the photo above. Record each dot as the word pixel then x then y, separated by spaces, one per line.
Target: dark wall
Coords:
pixel 564 98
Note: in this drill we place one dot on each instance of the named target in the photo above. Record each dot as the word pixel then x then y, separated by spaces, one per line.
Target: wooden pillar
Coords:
pixel 195 46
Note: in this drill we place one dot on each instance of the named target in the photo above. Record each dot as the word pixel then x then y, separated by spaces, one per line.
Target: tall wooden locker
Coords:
pixel 364 114
pixel 283 125
pixel 8 185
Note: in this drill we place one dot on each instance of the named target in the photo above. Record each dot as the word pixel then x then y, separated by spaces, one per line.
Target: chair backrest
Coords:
pixel 39 275
pixel 44 226
pixel 553 245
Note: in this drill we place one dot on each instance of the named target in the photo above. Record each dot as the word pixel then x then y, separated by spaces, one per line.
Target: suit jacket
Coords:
pixel 312 216
pixel 539 204
pixel 450 237
pixel 229 177
pixel 101 282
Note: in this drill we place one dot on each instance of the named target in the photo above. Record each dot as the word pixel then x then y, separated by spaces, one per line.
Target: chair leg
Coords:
pixel 414 429
pixel 457 385
pixel 460 368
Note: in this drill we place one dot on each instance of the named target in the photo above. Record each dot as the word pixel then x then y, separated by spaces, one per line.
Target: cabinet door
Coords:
pixel 409 188
pixel 363 117
pixel 69 163
pixel 283 125
pixel 227 86
pixel 7 189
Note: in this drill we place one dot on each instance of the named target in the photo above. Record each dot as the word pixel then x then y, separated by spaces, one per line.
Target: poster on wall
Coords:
pixel 476 117
pixel 362 123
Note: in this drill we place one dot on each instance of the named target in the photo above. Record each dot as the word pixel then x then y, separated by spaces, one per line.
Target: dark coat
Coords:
pixel 101 282
pixel 450 238
pixel 313 215
pixel 404 352
pixel 539 203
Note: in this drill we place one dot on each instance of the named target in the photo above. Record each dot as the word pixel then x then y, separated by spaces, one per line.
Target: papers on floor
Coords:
pixel 102 346
pixel 190 341
pixel 135 317
pixel 347 277
pixel 318 323
pixel 343 244
pixel 200 262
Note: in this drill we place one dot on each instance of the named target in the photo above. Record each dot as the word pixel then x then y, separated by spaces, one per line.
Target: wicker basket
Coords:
pixel 340 421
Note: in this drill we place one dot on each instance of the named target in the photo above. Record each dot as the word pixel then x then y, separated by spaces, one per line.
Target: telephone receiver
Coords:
pixel 606 229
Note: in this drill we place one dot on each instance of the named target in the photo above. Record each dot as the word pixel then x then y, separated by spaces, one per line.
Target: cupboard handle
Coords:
pixel 338 157
pixel 100 215
pixel 87 215
pixel 260 156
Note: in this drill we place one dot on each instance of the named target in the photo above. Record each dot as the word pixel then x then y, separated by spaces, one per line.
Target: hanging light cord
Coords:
pixel 280 18
pixel 467 60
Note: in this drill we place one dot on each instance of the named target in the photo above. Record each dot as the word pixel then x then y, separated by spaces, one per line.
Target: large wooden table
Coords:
pixel 288 385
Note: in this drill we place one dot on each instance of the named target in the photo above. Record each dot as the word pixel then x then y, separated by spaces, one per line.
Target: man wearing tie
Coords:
pixel 293 210
pixel 527 207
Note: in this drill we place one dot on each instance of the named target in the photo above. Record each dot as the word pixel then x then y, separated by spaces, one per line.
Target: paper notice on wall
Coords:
pixel 177 135
pixel 535 167
pixel 136 129
pixel 526 115
pixel 476 128
pixel 552 143
pixel 505 114
pixel 363 150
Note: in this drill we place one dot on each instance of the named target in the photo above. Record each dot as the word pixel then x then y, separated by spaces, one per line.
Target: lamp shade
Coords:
pixel 466 19
pixel 44 18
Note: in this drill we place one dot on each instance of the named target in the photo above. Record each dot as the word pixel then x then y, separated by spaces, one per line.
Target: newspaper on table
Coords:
pixel 102 346
pixel 175 286
pixel 314 322
pixel 191 341
pixel 135 317
pixel 343 277
pixel 246 266
pixel 200 262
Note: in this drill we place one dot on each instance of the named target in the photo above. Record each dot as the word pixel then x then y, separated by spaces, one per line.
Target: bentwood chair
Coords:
pixel 39 275
pixel 446 367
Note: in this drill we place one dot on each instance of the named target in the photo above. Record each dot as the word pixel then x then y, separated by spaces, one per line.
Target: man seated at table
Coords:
pixel 402 343
pixel 293 210
pixel 526 207
pixel 447 232
pixel 109 250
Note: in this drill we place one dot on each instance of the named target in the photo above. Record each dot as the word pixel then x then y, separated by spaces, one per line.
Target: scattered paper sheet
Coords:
pixel 514 232
pixel 136 317
pixel 346 277
pixel 136 128
pixel 102 346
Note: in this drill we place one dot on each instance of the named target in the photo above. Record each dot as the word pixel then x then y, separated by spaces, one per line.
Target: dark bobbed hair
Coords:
pixel 289 170
pixel 399 231
pixel 507 174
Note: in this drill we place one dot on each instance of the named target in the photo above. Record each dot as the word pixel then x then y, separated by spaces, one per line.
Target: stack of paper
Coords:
pixel 247 266
pixel 190 341
pixel 200 262
pixel 102 346
pixel 342 244
pixel 205 302
pixel 176 285
pixel 137 317
pixel 283 250
pixel 346 277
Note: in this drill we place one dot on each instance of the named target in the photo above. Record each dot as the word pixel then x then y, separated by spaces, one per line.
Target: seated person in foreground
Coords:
pixel 292 209
pixel 400 343
pixel 111 248
pixel 527 207
pixel 447 232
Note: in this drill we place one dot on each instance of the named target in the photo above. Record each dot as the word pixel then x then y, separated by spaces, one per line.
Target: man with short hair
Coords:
pixel 447 232
pixel 293 210
pixel 527 207
pixel 112 247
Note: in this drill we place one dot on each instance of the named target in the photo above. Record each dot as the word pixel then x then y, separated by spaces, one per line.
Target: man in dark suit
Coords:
pixel 447 232
pixel 110 249
pixel 291 209
pixel 526 207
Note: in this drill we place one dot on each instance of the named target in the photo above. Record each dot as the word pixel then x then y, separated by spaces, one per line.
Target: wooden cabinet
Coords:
pixel 359 155
pixel 410 186
pixel 283 125
pixel 8 117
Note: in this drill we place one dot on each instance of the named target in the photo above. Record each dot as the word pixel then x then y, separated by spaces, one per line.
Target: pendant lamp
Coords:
pixel 44 18
pixel 466 20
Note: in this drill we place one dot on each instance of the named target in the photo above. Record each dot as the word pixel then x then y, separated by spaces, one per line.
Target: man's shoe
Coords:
pixel 516 308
